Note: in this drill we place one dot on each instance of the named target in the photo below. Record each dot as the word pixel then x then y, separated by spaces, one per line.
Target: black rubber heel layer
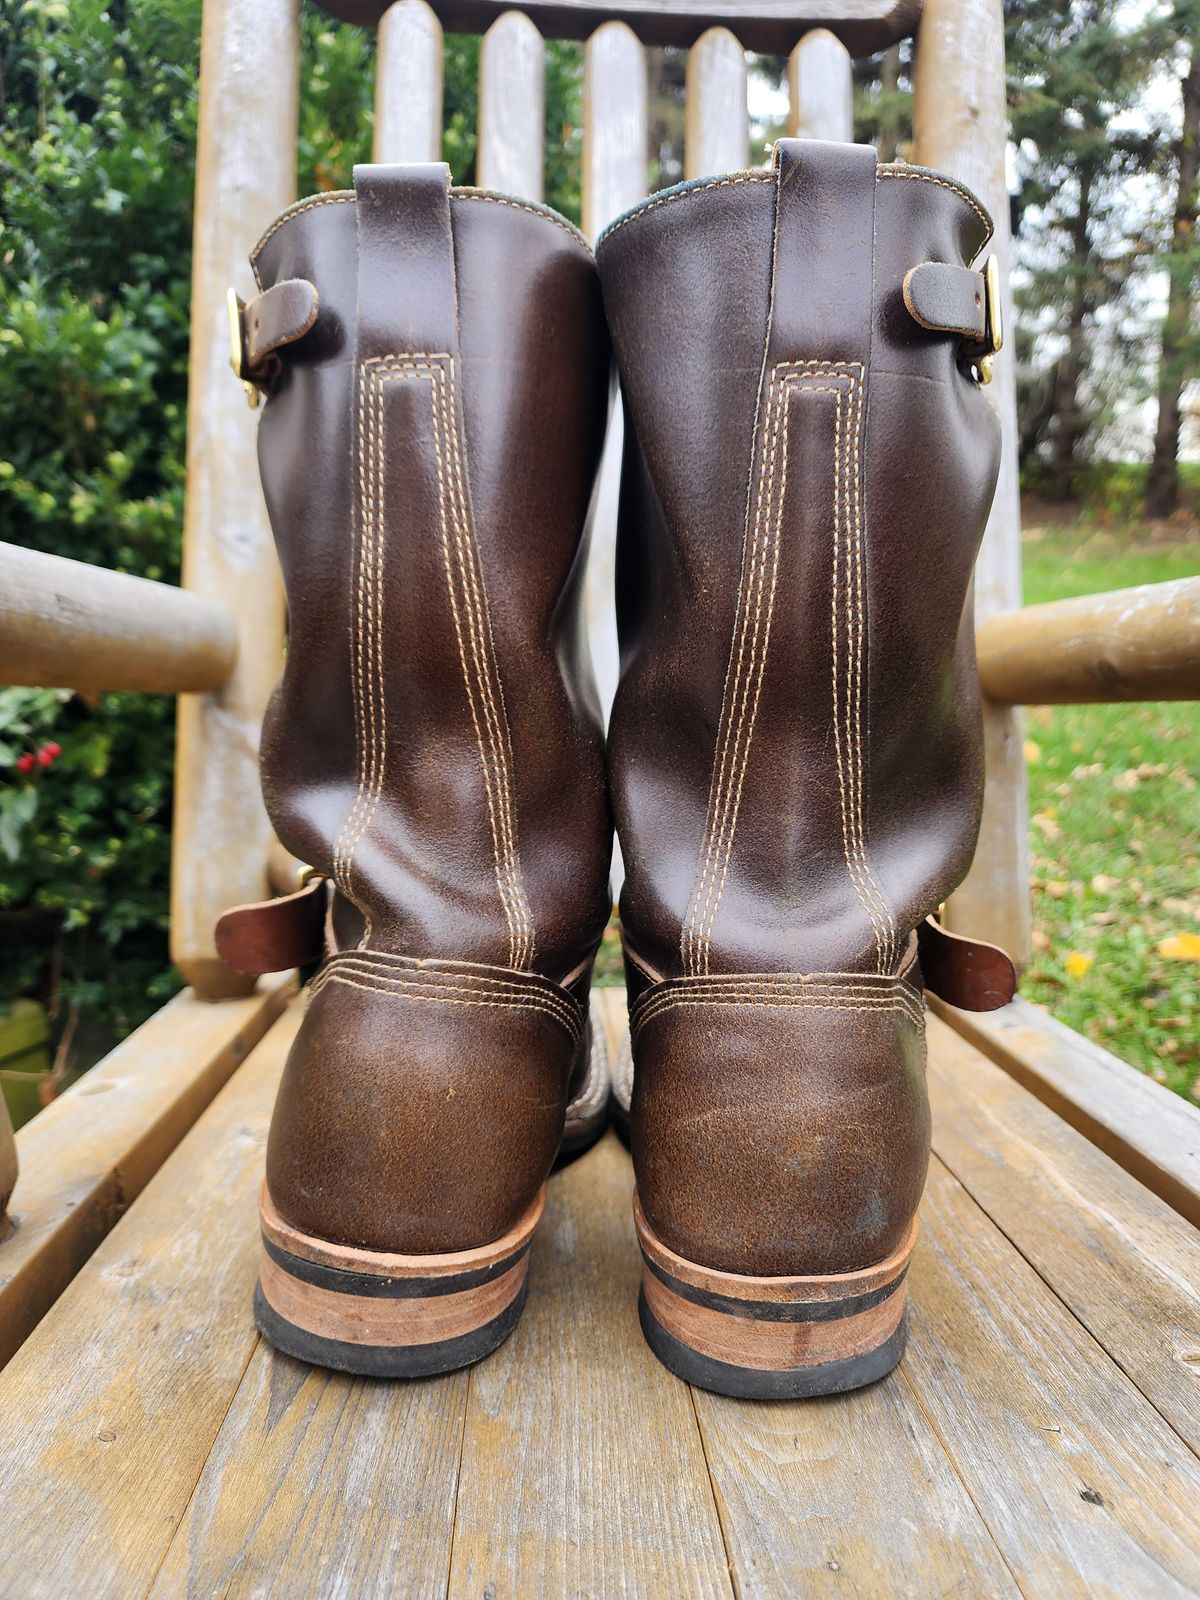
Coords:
pixel 387 1361
pixel 752 1383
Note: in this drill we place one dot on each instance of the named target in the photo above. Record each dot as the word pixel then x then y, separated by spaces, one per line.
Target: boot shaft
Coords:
pixel 795 749
pixel 428 456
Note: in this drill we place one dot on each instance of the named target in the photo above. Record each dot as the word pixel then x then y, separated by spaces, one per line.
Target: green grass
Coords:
pixel 1115 829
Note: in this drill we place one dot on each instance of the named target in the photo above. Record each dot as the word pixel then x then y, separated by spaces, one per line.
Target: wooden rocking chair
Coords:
pixel 1040 1437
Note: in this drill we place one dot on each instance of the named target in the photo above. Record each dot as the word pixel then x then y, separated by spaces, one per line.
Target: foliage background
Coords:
pixel 97 138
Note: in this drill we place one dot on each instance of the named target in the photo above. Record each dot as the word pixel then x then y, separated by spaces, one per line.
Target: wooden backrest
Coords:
pixel 245 175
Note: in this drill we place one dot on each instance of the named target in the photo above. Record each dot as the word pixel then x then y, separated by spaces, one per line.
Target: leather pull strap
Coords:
pixel 406 290
pixel 948 299
pixel 964 972
pixel 273 935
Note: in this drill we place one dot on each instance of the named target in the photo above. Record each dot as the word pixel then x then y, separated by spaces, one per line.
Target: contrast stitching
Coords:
pixel 942 183
pixel 855 1007
pixel 340 974
pixel 338 197
pixel 545 212
pixel 364 965
pixel 684 194
pixel 748 655
pixel 462 576
pixel 445 999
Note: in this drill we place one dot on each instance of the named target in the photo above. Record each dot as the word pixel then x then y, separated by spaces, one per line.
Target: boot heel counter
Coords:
pixel 780 1125
pixel 421 1106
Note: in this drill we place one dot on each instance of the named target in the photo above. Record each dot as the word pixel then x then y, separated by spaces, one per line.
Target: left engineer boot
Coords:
pixel 436 368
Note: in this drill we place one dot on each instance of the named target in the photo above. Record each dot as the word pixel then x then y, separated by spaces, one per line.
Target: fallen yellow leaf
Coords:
pixel 1077 963
pixel 1033 751
pixel 1180 947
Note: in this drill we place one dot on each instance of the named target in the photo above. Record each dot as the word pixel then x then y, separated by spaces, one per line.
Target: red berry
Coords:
pixel 53 750
pixel 45 759
pixel 27 762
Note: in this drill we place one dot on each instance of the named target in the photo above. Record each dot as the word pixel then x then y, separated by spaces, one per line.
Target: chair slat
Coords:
pixel 717 129
pixel 512 100
pixel 820 88
pixel 614 125
pixel 960 126
pixel 408 84
pixel 245 175
pixel 615 175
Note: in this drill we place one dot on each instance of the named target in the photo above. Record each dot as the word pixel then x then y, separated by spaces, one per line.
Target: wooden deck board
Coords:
pixel 1029 1442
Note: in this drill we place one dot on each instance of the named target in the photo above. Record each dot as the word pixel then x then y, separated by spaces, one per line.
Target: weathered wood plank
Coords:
pixel 1152 1133
pixel 67 625
pixel 110 1408
pixel 512 107
pixel 1084 1487
pixel 773 26
pixel 854 1491
pixel 322 1484
pixel 245 175
pixel 1129 644
pixel 820 88
pixel 1115 1253
pixel 583 1471
pixel 408 84
pixel 91 1152
pixel 716 135
pixel 960 124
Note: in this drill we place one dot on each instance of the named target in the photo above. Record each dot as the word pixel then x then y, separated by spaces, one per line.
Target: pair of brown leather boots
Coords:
pixel 794 754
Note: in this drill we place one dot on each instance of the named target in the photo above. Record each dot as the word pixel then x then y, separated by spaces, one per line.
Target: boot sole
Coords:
pixel 759 1338
pixel 386 1315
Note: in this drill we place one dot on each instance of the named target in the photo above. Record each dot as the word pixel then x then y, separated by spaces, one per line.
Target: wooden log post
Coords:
pixel 960 126
pixel 245 174
pixel 512 107
pixel 1129 644
pixel 820 88
pixel 717 127
pixel 408 84
pixel 67 625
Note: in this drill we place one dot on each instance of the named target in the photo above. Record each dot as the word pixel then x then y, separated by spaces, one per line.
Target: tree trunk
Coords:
pixel 1071 368
pixel 1162 484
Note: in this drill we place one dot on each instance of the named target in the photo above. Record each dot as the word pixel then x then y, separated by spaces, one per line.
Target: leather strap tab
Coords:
pixel 948 299
pixel 273 935
pixel 407 299
pixel 964 972
pixel 277 317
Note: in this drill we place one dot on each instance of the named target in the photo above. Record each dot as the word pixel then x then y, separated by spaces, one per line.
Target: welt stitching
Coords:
pixel 484 651
pixel 686 194
pixel 942 183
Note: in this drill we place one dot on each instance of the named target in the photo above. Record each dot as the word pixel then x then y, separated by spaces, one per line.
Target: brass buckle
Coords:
pixel 237 348
pixel 993 318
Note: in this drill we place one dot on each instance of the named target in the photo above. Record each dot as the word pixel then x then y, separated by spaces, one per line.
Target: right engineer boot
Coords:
pixel 795 751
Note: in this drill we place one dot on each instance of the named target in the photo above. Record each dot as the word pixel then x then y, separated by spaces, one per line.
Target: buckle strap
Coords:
pixel 260 327
pixel 273 935
pixel 957 300
pixel 966 973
